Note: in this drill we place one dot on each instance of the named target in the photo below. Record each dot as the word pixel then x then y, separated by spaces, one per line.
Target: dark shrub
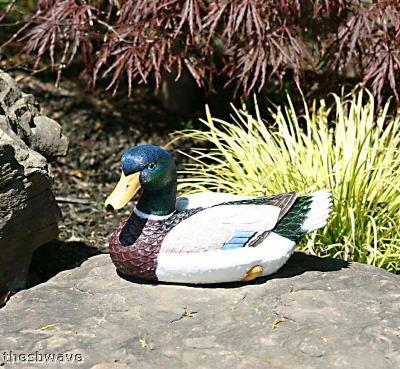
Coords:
pixel 246 41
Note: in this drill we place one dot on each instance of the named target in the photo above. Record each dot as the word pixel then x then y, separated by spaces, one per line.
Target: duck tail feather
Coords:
pixel 320 208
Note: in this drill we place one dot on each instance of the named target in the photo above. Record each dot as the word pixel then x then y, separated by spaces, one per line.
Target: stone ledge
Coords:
pixel 314 313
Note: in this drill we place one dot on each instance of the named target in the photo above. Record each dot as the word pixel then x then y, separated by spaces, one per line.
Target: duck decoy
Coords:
pixel 207 237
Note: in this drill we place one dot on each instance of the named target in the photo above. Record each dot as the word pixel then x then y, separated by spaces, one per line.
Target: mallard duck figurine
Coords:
pixel 206 237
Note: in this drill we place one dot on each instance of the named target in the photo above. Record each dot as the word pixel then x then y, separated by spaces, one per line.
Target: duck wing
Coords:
pixel 228 225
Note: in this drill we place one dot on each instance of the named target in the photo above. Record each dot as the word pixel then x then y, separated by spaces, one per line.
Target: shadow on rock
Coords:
pixel 56 256
pixel 298 264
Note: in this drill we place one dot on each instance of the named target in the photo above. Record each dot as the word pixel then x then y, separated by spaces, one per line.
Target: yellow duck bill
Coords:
pixel 125 189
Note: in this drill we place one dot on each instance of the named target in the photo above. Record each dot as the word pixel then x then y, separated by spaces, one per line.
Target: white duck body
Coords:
pixel 188 256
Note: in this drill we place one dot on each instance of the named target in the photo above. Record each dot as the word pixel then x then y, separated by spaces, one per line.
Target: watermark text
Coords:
pixel 11 357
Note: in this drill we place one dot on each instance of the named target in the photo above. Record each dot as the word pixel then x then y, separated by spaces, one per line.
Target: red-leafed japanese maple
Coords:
pixel 245 41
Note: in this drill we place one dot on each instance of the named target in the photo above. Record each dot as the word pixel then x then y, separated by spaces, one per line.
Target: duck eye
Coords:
pixel 152 166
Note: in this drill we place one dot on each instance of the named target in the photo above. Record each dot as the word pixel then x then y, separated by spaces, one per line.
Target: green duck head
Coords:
pixel 153 169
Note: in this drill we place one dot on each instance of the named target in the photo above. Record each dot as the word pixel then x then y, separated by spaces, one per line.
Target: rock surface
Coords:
pixel 28 211
pixel 314 313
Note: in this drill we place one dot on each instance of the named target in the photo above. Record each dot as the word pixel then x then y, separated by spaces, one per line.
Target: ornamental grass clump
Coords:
pixel 343 146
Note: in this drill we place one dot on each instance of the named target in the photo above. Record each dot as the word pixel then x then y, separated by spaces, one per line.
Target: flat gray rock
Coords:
pixel 315 313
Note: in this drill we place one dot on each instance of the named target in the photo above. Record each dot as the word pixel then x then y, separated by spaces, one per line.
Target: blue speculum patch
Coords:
pixel 239 239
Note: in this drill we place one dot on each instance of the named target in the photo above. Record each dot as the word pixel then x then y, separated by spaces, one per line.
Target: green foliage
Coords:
pixel 344 147
pixel 4 4
pixel 23 6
